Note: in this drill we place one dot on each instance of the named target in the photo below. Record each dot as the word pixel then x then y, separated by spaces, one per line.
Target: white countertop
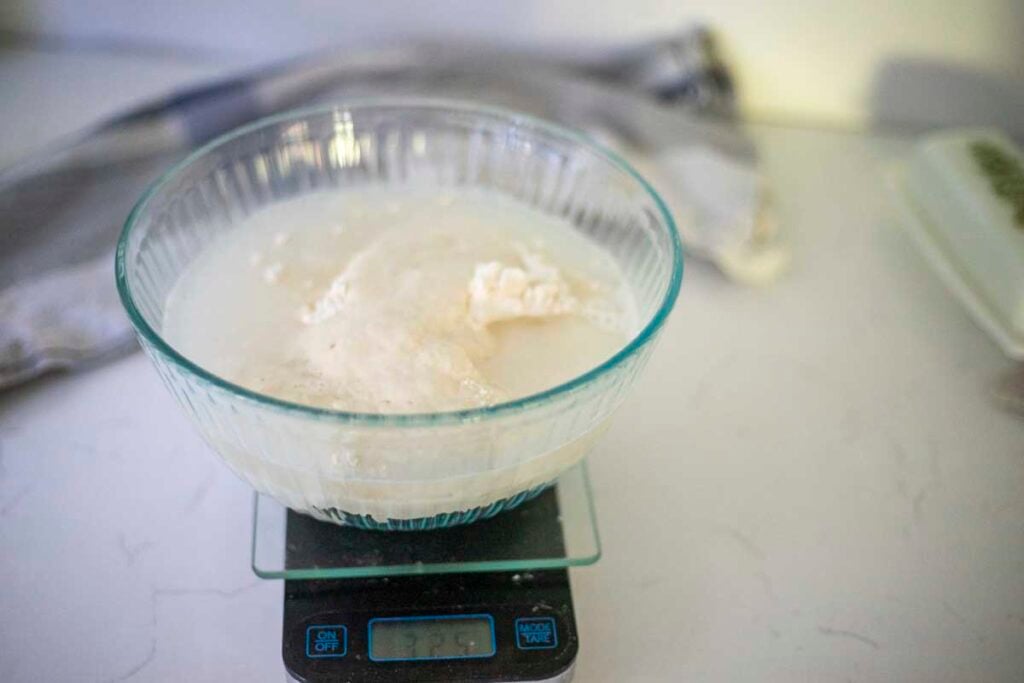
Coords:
pixel 810 482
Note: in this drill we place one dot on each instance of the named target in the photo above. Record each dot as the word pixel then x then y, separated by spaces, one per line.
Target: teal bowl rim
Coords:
pixel 513 119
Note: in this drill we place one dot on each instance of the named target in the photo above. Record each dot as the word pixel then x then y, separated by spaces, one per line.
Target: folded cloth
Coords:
pixel 1009 391
pixel 60 212
pixel 42 328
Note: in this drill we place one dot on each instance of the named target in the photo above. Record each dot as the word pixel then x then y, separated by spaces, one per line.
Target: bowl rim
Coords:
pixel 515 406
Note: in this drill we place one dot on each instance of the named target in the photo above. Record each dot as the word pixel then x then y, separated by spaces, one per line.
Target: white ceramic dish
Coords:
pixel 950 269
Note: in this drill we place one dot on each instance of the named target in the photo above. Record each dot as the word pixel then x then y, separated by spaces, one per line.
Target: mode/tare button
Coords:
pixel 536 633
pixel 326 641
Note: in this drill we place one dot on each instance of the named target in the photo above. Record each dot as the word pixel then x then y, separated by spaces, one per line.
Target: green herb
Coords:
pixel 1005 175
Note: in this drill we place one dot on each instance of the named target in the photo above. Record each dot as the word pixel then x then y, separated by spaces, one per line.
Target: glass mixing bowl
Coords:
pixel 410 471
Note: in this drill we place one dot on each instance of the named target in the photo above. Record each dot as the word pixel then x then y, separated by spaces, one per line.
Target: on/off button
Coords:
pixel 326 641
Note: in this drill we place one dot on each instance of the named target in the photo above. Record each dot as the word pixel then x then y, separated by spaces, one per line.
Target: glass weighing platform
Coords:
pixel 487 601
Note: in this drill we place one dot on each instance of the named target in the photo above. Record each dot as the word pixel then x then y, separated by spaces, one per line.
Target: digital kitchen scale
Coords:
pixel 488 601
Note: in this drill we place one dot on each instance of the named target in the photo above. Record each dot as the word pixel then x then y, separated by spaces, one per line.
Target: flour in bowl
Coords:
pixel 407 301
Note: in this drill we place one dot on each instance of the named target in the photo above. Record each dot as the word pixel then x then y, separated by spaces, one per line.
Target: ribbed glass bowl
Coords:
pixel 415 471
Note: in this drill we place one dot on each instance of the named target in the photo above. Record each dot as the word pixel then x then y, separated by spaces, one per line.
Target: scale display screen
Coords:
pixel 403 639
